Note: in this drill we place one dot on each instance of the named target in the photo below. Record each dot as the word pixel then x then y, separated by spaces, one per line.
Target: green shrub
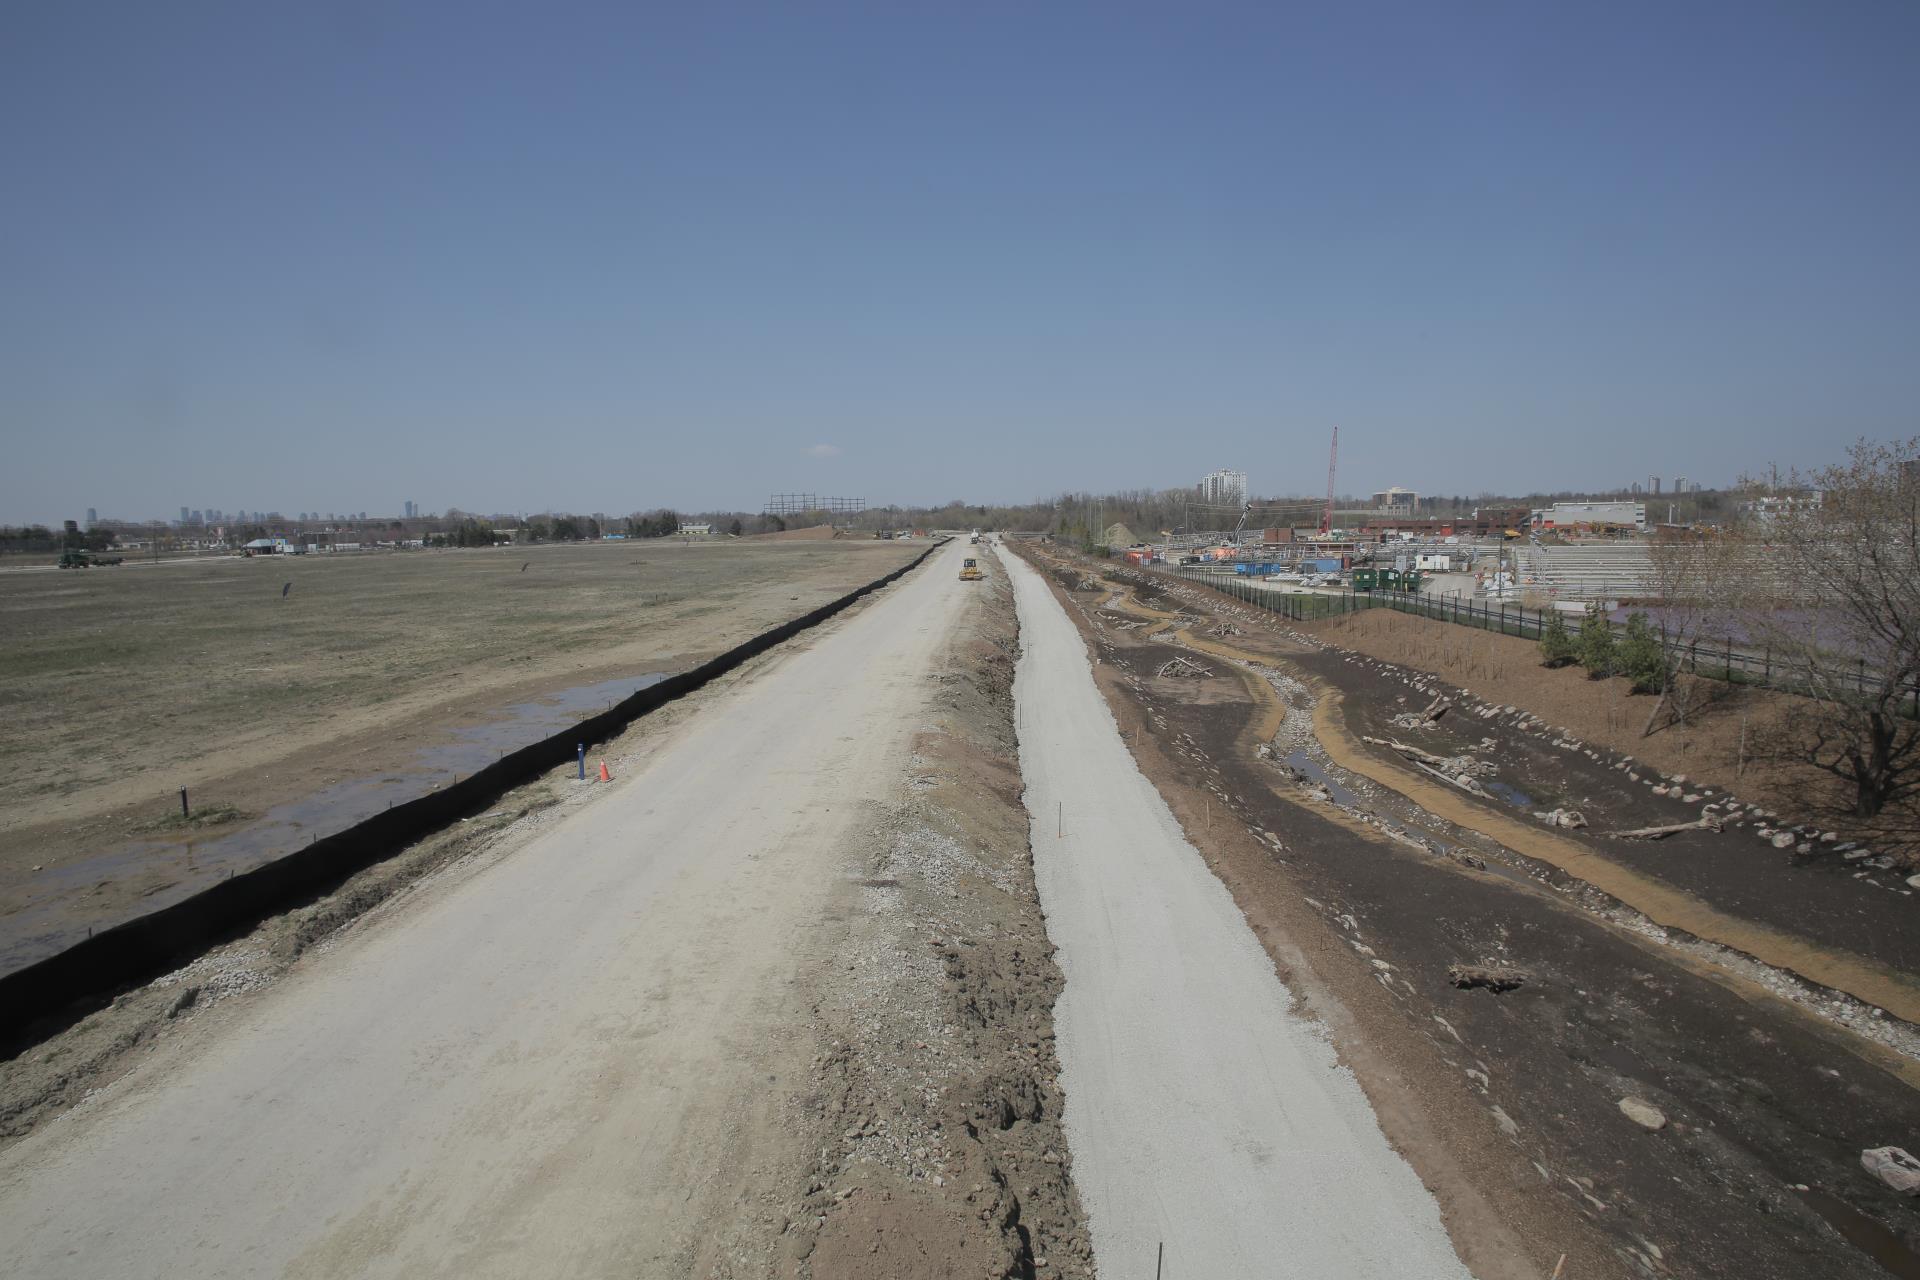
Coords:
pixel 1641 657
pixel 1594 644
pixel 1556 642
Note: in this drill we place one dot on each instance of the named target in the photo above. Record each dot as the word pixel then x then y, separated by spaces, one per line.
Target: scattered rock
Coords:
pixel 1783 839
pixel 1893 1166
pixel 1650 1117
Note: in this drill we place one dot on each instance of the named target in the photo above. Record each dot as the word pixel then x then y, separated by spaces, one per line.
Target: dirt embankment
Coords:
pixel 943 1152
pixel 1739 738
pixel 1562 1072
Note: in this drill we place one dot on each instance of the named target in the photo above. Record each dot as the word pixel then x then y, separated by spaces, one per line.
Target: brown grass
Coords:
pixel 119 685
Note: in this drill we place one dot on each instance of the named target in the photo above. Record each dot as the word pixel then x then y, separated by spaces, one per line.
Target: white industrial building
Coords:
pixel 1568 515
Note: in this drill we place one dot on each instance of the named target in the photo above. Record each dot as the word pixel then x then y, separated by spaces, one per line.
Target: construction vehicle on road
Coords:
pixel 970 570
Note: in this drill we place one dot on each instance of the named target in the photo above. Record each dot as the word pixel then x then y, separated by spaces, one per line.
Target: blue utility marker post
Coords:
pixel 583 761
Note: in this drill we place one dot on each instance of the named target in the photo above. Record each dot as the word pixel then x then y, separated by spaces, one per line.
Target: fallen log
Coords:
pixel 1412 753
pixel 1459 780
pixel 1469 976
pixel 1660 833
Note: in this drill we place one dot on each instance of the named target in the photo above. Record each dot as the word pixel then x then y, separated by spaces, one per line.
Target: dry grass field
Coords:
pixel 120 685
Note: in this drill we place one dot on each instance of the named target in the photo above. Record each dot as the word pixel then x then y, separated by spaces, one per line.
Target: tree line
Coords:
pixel 1828 590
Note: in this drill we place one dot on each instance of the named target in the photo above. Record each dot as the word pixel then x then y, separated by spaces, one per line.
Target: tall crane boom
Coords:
pixel 1333 458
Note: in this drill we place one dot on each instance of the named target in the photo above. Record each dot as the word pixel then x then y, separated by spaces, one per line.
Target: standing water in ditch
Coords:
pixel 57 913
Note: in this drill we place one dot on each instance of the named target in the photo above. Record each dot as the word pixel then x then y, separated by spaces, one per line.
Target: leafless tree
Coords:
pixel 1835 596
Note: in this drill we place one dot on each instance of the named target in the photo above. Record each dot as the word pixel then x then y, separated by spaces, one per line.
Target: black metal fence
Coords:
pixel 1715 659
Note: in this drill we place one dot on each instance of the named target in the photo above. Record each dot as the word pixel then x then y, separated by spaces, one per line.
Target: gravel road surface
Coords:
pixel 1202 1112
pixel 558 1063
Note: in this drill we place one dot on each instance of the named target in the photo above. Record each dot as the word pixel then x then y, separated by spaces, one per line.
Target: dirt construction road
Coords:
pixel 1202 1112
pixel 559 1063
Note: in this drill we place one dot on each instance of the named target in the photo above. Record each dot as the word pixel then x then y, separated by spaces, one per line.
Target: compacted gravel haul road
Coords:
pixel 1210 1125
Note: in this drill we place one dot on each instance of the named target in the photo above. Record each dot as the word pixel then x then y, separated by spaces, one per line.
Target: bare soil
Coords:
pixel 948 1056
pixel 256 683
pixel 1508 1101
pixel 1706 747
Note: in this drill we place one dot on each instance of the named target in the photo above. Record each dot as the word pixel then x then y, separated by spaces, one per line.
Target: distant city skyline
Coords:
pixel 698 254
pixel 1211 490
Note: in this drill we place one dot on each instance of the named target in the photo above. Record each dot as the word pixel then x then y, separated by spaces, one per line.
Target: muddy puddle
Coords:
pixel 1865 1234
pixel 1306 764
pixel 1510 794
pixel 61 906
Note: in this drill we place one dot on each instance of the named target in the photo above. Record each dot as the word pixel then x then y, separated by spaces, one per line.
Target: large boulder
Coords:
pixel 1893 1166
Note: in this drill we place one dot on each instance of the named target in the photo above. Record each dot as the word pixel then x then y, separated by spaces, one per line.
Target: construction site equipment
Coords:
pixel 970 570
pixel 1333 458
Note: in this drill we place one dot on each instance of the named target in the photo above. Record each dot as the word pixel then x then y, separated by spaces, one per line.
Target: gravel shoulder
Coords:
pixel 684 1026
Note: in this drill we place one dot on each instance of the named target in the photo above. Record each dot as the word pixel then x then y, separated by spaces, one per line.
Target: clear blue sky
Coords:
pixel 332 256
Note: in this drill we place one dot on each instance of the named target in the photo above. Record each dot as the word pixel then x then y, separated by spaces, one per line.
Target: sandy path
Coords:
pixel 559 1064
pixel 1201 1111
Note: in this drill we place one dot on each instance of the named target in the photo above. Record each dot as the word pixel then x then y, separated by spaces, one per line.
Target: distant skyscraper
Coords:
pixel 410 511
pixel 1679 484
pixel 93 517
pixel 1653 484
pixel 183 515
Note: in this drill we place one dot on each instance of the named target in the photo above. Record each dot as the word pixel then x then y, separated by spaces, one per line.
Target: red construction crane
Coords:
pixel 1333 457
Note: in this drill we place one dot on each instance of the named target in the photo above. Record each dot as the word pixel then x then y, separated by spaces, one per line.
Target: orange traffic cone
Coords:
pixel 604 775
